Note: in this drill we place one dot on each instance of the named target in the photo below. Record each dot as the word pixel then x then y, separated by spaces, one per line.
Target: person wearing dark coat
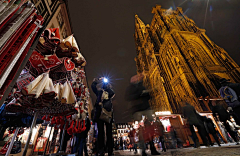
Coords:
pixel 121 143
pixel 236 104
pixel 81 140
pixel 210 128
pixel 194 119
pixel 139 96
pixel 132 134
pixel 104 95
pixel 159 128
pixel 218 109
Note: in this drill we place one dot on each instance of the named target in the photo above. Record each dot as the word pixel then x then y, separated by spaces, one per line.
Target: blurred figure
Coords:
pixel 194 119
pixel 132 134
pixel 159 131
pixel 218 109
pixel 121 143
pixel 231 92
pixel 94 150
pixel 148 136
pixel 81 141
pixel 193 134
pixel 210 127
pixel 104 93
pixel 139 96
pixel 173 136
pixel 124 145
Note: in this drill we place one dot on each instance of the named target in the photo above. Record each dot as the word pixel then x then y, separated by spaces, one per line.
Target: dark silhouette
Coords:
pixel 104 95
pixel 210 128
pixel 194 119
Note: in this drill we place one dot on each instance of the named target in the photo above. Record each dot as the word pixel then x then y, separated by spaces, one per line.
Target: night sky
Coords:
pixel 104 31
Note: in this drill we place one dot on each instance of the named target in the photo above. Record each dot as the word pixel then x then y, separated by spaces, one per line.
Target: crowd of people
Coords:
pixel 152 131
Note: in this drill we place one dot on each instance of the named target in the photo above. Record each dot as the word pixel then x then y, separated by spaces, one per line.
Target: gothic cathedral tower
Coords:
pixel 180 62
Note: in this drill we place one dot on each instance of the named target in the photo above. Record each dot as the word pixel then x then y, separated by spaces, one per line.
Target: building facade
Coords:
pixel 61 17
pixel 180 62
pixel 123 129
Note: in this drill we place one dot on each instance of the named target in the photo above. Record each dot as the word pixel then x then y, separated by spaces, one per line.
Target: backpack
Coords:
pixel 228 94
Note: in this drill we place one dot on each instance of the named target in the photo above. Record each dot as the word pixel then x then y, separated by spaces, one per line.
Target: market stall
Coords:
pixel 50 88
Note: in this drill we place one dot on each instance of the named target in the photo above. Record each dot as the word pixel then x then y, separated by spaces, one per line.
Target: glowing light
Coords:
pixel 163 113
pixel 105 80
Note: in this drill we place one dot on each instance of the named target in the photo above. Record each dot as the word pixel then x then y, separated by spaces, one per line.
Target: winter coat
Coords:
pixel 210 126
pixel 139 100
pixel 234 86
pixel 98 93
pixel 192 116
pixel 222 113
pixel 158 128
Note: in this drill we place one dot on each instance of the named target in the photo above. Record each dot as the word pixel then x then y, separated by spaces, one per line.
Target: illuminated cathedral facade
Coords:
pixel 181 63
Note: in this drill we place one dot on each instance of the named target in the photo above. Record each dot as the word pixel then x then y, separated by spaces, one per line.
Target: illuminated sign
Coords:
pixel 163 113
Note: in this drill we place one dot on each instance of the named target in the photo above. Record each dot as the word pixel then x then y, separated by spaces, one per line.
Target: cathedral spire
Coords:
pixel 140 23
pixel 140 29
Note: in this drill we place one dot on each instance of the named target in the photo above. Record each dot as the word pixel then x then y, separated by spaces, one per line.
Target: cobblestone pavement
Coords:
pixel 225 150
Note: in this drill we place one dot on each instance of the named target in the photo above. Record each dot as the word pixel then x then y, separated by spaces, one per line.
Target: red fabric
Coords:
pixel 52 61
pixel 75 128
pixel 35 60
pixel 79 127
pixel 24 36
pixel 4 149
pixel 10 16
pixel 53 121
pixel 5 52
pixel 70 129
pixel 84 126
pixel 67 65
pixel 52 34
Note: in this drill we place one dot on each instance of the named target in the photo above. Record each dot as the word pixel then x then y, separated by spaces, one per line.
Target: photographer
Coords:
pixel 103 113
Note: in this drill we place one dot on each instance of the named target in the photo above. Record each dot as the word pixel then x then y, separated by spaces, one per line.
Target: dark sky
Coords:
pixel 104 31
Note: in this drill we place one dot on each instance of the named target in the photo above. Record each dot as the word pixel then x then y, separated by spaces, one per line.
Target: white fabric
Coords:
pixel 57 90
pixel 38 89
pixel 49 87
pixel 68 96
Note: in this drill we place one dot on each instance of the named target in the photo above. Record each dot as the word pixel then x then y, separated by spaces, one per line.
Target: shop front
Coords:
pixel 175 128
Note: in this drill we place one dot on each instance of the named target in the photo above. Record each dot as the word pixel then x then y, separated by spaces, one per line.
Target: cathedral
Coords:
pixel 179 60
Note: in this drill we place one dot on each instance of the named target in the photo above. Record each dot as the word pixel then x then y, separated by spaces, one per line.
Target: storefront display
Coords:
pixel 52 85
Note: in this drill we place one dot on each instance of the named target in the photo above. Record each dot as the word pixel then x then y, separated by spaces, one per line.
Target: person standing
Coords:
pixel 192 134
pixel 223 116
pixel 81 143
pixel 132 134
pixel 159 130
pixel 121 143
pixel 231 94
pixel 104 93
pixel 210 127
pixel 138 95
pixel 194 119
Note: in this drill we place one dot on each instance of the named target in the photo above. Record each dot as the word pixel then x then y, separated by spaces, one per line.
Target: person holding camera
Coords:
pixel 103 113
